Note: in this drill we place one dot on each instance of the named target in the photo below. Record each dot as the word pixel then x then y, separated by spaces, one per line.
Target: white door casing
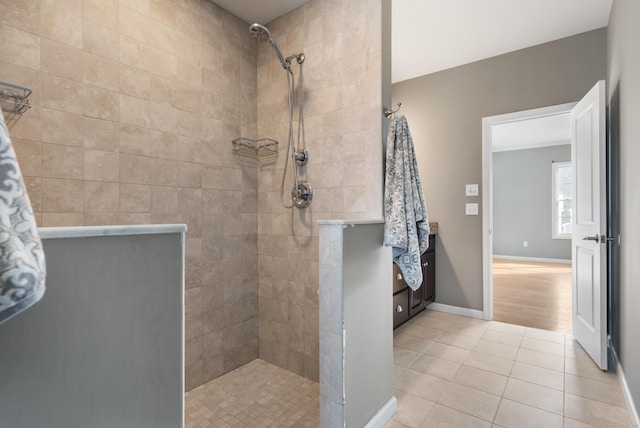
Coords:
pixel 487 189
pixel 589 256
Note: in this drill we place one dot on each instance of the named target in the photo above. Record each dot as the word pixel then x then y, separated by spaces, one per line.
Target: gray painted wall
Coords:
pixel 445 112
pixel 522 203
pixel 623 81
pixel 103 348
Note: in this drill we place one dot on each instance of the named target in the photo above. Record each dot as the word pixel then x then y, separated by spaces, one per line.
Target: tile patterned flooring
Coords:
pixel 450 371
pixel 453 371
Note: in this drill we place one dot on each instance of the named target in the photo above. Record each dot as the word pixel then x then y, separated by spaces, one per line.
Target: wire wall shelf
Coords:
pixel 14 98
pixel 264 150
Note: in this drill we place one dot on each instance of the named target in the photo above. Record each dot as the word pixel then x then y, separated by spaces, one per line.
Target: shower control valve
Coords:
pixel 302 194
pixel 301 157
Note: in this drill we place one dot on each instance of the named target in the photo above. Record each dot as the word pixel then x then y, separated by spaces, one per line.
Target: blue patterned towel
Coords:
pixel 22 265
pixel 406 227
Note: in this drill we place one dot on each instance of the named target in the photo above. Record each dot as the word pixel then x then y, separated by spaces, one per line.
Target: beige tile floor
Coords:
pixel 453 371
pixel 450 371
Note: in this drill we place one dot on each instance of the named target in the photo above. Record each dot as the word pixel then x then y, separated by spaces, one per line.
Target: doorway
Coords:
pixel 527 217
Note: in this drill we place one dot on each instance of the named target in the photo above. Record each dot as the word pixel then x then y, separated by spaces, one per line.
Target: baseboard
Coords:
pixel 456 310
pixel 533 259
pixel 633 412
pixel 384 414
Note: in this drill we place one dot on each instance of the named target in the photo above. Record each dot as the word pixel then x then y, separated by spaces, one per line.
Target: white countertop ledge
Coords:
pixel 94 231
pixel 350 222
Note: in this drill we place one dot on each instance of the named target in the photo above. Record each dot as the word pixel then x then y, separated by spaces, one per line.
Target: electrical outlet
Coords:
pixel 471 209
pixel 525 244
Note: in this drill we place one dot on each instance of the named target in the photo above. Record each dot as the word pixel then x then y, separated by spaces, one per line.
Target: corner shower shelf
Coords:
pixel 14 98
pixel 264 150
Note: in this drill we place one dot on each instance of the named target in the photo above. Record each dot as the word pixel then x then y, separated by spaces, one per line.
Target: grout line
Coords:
pixel 564 379
pixel 493 421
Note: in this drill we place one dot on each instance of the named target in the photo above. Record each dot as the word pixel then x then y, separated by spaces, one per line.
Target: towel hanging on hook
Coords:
pixel 406 227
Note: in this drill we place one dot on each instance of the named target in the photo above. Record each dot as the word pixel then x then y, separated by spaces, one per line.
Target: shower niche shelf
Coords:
pixel 264 150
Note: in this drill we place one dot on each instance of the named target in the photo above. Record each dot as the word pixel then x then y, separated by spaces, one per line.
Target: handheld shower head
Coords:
pixel 260 32
pixel 263 34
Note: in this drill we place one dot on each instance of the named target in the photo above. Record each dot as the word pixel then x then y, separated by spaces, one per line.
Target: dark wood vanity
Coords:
pixel 406 302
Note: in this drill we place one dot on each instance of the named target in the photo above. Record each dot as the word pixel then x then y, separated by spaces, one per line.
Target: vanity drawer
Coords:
pixel 400 307
pixel 398 280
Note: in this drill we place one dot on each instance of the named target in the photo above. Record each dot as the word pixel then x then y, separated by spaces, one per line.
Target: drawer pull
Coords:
pixel 425 264
pixel 399 309
pixel 399 276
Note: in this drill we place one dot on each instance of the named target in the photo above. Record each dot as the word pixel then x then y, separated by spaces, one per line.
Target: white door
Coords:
pixel 589 255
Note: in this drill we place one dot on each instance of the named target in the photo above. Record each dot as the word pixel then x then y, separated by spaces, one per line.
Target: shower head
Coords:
pixel 263 34
pixel 260 32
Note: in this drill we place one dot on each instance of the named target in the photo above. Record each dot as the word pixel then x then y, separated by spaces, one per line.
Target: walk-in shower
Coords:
pixel 302 192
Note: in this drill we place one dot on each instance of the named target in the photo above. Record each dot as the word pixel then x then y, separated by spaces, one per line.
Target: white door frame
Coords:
pixel 487 191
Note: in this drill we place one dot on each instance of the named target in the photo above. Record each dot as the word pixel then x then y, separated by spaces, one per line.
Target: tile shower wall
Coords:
pixel 342 112
pixel 135 104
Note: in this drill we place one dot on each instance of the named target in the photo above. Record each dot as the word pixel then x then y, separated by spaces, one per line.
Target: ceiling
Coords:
pixel 531 133
pixel 433 35
pixel 260 11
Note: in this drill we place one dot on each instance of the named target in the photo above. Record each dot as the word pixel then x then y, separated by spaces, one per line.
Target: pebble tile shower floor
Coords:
pixel 255 395
pixel 449 371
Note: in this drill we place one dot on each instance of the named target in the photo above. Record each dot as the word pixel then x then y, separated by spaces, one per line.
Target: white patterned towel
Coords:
pixel 22 265
pixel 406 227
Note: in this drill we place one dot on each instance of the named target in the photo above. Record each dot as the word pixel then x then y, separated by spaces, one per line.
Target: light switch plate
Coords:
pixel 471 209
pixel 471 190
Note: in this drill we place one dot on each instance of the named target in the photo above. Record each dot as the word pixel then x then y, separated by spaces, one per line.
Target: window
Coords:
pixel 562 200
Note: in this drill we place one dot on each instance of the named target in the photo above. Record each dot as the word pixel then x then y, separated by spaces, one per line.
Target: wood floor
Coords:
pixel 532 294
